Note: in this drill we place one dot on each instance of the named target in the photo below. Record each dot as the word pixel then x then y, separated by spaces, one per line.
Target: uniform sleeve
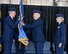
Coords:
pixel 34 25
pixel 63 34
pixel 11 24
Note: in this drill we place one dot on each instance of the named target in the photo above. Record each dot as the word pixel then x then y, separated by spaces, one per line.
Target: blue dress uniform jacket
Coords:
pixel 9 26
pixel 60 35
pixel 8 34
pixel 37 35
pixel 37 30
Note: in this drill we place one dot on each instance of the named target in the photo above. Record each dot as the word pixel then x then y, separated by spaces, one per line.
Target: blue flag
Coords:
pixel 21 9
pixel 22 36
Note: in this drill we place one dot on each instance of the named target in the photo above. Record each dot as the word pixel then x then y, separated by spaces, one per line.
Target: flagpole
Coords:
pixel 22 36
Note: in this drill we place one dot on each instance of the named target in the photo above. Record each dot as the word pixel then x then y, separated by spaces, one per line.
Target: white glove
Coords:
pixel 60 45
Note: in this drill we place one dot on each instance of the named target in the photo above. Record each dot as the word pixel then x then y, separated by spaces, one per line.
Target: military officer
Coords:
pixel 37 31
pixel 60 35
pixel 8 34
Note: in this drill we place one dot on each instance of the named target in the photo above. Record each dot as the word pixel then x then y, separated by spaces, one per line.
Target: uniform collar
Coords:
pixel 11 16
pixel 61 23
pixel 37 19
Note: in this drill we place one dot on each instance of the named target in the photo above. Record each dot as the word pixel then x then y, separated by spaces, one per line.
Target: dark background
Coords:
pixel 48 15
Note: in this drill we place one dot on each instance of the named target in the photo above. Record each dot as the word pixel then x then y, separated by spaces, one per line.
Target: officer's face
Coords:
pixel 36 16
pixel 13 13
pixel 59 19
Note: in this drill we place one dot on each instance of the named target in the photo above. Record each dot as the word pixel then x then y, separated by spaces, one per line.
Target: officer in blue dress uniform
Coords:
pixel 60 35
pixel 37 31
pixel 9 27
